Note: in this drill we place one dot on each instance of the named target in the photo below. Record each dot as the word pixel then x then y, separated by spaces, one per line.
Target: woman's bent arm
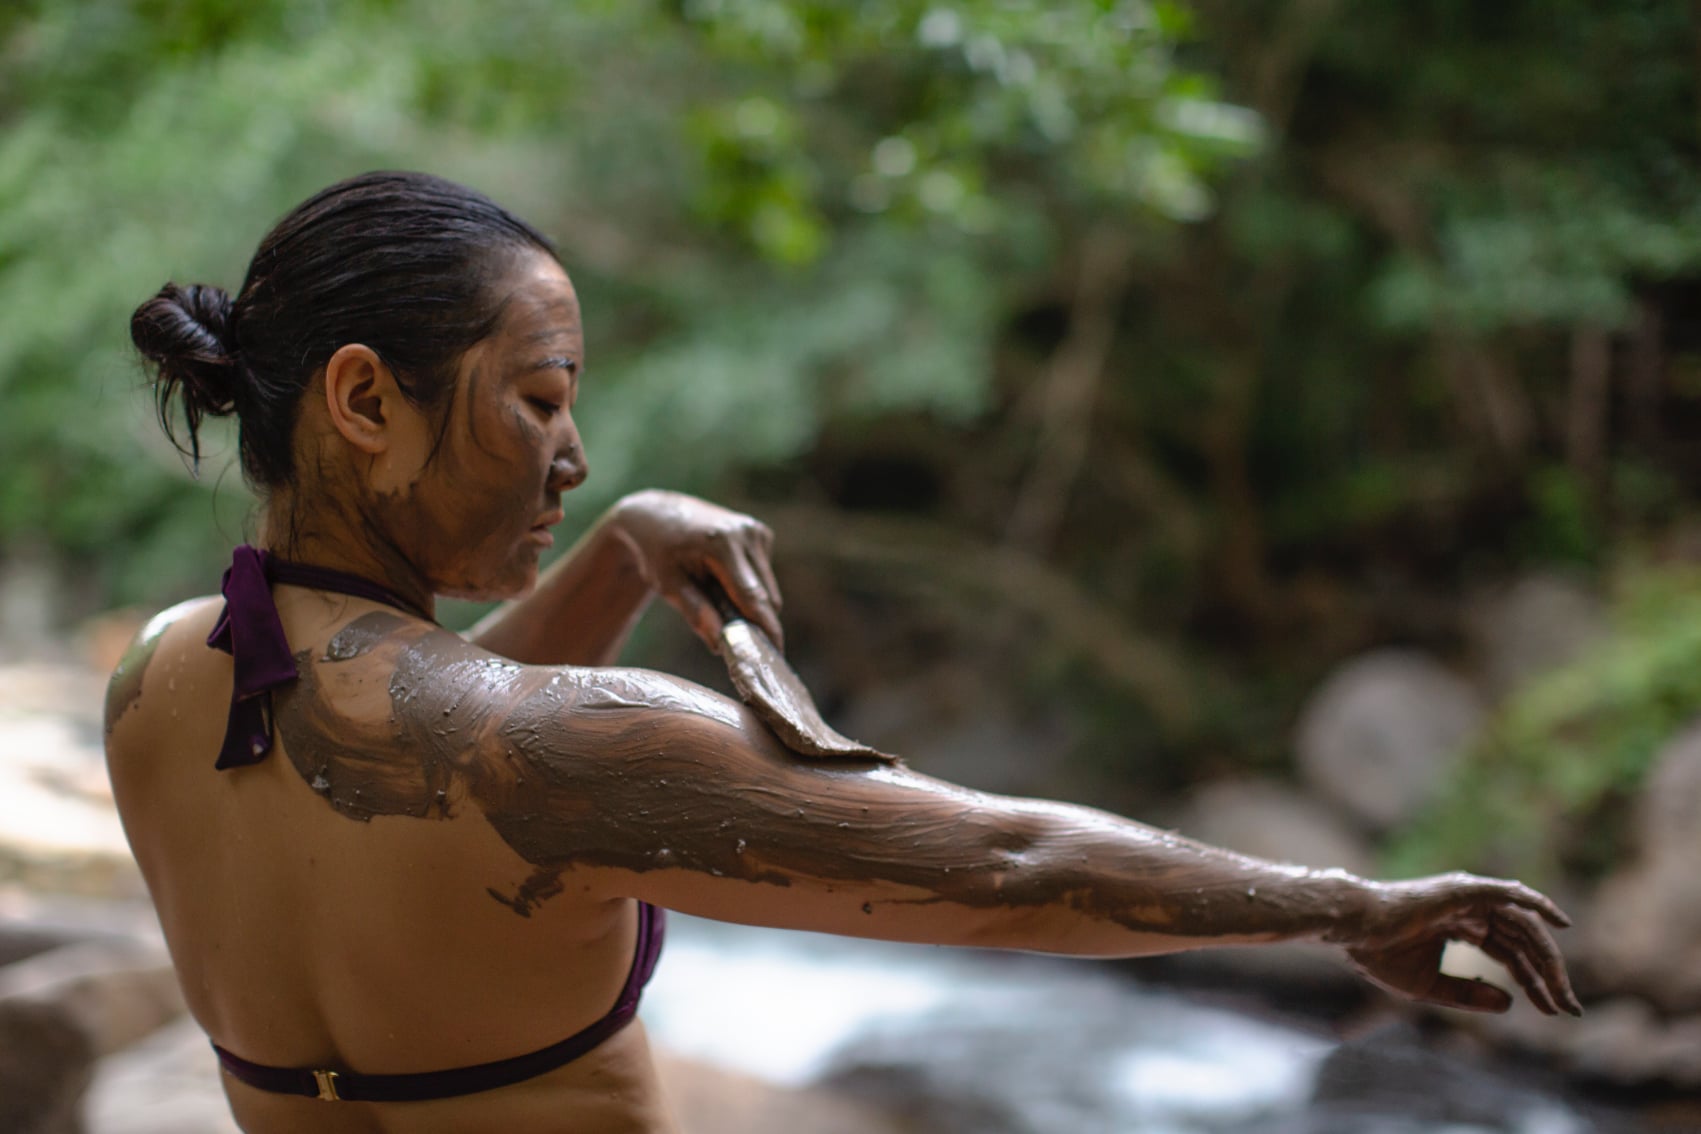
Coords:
pixel 582 611
pixel 649 543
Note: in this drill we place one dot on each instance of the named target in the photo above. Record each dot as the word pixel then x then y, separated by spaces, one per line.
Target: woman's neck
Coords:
pixel 321 532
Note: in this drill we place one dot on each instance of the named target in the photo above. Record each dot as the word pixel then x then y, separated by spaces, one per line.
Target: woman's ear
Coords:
pixel 362 398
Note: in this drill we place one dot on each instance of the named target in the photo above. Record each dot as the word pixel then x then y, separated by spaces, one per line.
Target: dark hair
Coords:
pixel 402 262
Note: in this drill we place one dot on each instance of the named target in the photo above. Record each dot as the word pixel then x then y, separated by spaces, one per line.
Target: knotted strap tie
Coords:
pixel 250 631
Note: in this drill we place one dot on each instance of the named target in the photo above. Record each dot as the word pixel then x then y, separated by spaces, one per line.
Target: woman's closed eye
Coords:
pixel 545 406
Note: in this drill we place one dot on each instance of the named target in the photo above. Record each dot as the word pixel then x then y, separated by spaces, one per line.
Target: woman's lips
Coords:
pixel 540 532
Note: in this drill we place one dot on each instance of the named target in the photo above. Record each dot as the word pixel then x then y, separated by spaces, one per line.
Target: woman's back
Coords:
pixel 307 938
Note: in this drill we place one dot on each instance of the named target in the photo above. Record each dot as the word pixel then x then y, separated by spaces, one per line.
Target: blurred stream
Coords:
pixel 1035 1045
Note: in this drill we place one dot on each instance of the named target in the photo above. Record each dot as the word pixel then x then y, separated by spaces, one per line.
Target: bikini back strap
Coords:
pixel 334 1086
pixel 341 582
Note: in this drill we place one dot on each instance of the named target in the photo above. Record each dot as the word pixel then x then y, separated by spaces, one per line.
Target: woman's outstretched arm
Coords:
pixel 649 543
pixel 626 783
pixel 636 784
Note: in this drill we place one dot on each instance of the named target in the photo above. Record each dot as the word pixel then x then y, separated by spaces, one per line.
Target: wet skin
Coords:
pixel 638 773
pixel 303 938
pixel 440 803
pixel 627 770
pixel 125 688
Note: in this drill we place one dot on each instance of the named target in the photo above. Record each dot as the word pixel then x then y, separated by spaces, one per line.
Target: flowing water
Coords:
pixel 992 1042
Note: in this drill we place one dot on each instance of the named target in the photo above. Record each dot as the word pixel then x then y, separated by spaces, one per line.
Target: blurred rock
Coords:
pixel 1536 624
pixel 1389 1083
pixel 59 831
pixel 1621 1041
pixel 1610 1042
pixel 117 991
pixel 1624 1041
pixel 1271 820
pixel 64 1001
pixel 1643 933
pixel 1381 734
pixel 167 1084
pixel 72 918
pixel 46 1063
pixel 21 940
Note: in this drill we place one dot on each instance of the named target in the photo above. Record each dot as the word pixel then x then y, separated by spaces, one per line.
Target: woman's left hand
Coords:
pixel 680 541
pixel 1409 924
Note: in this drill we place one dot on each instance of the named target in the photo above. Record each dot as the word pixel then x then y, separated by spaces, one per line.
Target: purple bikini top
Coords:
pixel 251 632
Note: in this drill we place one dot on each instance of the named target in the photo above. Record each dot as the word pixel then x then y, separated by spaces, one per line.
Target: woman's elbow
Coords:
pixel 1017 885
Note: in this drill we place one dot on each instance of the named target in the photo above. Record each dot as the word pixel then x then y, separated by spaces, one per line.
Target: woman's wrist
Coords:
pixel 1349 905
pixel 612 541
pixel 622 531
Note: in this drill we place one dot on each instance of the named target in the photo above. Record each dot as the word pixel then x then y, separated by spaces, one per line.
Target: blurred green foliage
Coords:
pixel 1547 790
pixel 1228 337
pixel 741 189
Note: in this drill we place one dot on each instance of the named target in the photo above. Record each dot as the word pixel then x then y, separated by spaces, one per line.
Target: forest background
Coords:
pixel 1132 363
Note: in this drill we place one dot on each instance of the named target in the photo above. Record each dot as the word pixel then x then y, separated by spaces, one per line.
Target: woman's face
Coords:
pixel 477 517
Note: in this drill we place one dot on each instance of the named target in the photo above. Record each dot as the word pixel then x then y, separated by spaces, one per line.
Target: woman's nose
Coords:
pixel 568 470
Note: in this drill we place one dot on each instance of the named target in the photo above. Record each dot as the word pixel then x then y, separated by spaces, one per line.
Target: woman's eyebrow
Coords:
pixel 571 365
pixel 555 329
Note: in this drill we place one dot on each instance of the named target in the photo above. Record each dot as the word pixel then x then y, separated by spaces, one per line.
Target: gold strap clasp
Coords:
pixel 327 1081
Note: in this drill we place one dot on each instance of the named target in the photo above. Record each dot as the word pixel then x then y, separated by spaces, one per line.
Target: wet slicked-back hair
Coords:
pixel 403 263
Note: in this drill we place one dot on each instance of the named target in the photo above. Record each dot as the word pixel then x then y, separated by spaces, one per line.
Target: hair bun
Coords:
pixel 185 333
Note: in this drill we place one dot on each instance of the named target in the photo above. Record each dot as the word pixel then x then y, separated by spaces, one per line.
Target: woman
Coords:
pixel 395 863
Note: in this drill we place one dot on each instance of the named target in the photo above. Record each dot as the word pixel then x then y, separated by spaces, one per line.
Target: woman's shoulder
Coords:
pixel 441 678
pixel 189 620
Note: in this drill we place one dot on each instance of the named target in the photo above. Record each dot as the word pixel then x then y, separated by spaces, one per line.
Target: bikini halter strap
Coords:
pixel 250 631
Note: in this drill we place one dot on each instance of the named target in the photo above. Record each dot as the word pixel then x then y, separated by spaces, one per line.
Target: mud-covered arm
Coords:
pixel 649 543
pixel 649 787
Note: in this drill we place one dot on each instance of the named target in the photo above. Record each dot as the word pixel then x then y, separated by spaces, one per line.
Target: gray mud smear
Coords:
pixel 766 682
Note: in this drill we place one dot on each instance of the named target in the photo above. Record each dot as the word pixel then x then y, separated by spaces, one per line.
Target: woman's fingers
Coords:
pixel 1542 904
pixel 1537 949
pixel 763 558
pixel 1500 890
pixel 680 541
pixel 1511 955
pixel 700 614
pixel 1471 995
pixel 1521 895
pixel 744 587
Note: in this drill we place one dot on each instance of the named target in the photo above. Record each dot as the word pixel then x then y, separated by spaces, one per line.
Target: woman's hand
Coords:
pixel 1409 923
pixel 680 541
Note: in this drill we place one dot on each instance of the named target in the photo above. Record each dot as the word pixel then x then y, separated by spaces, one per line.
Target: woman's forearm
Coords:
pixel 582 611
pixel 1129 889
